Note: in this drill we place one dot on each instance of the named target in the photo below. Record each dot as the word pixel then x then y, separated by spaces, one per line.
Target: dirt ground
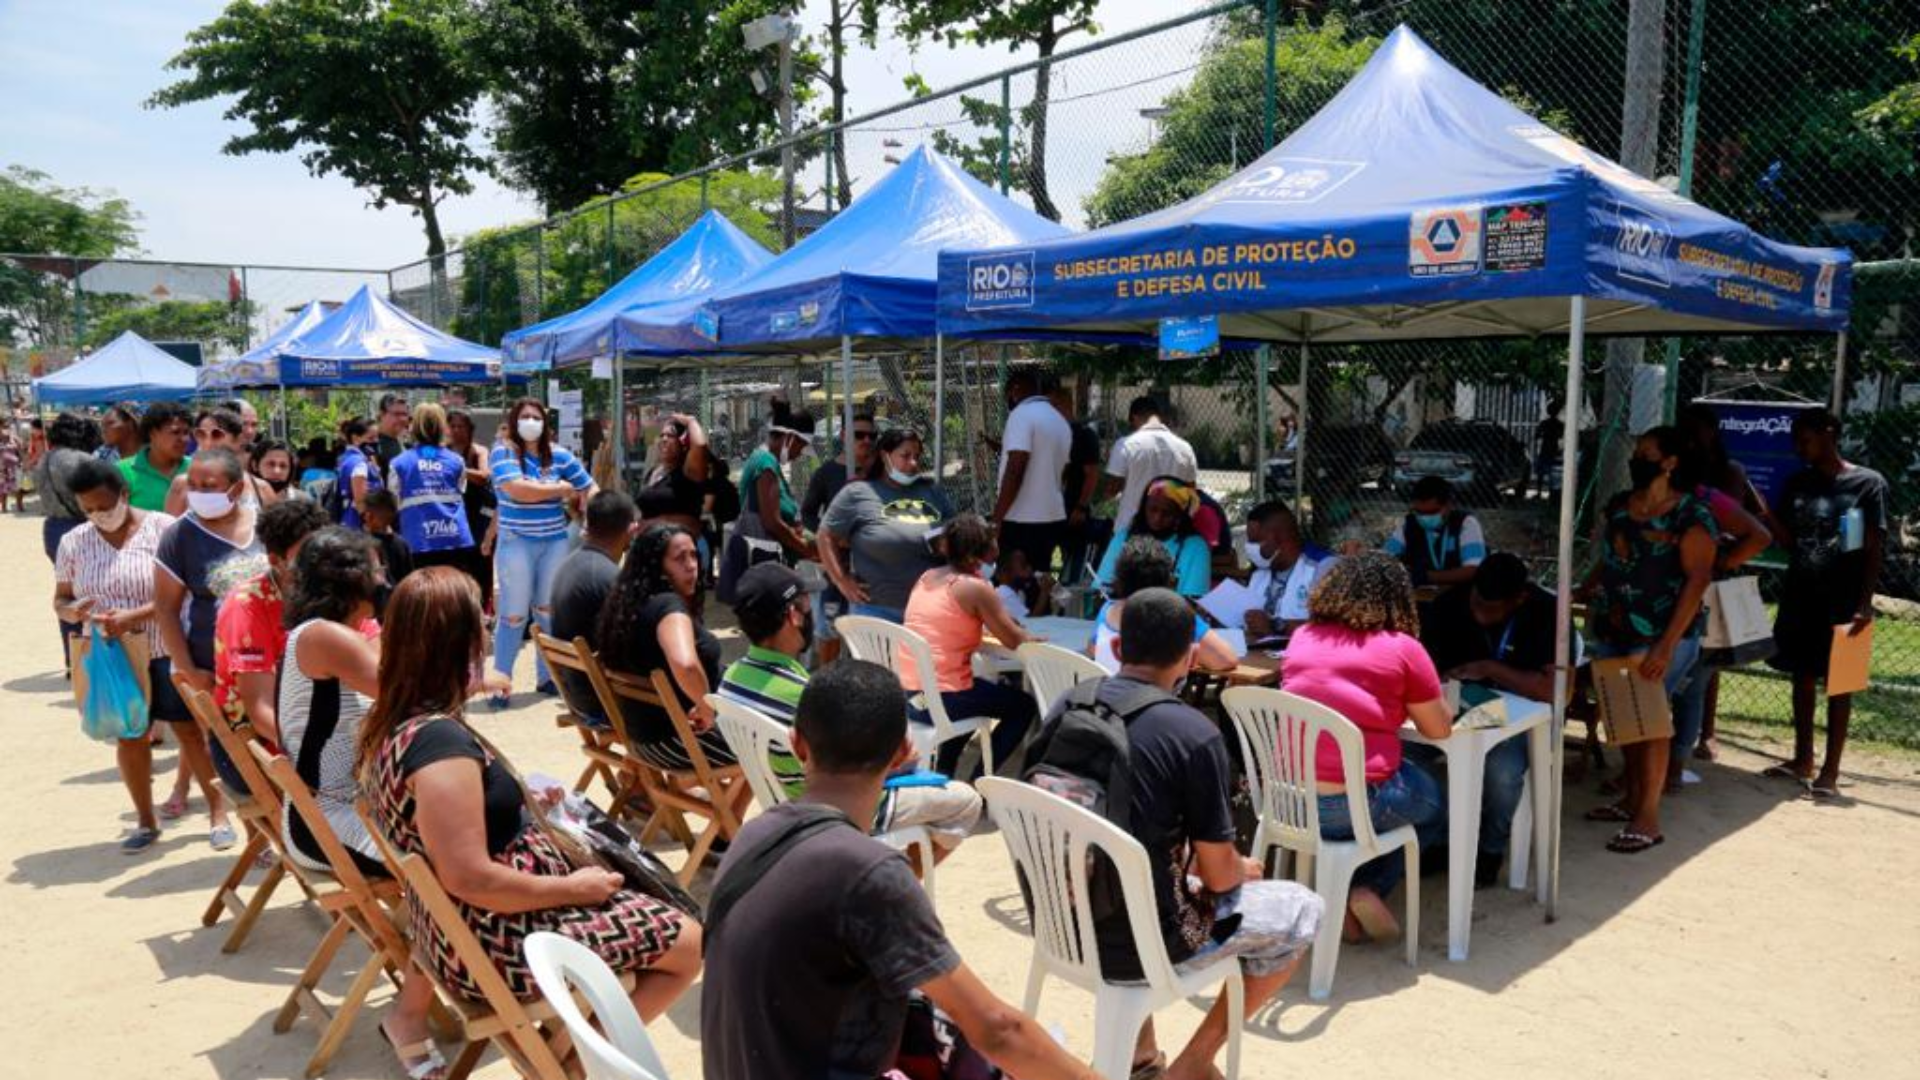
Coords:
pixel 1769 938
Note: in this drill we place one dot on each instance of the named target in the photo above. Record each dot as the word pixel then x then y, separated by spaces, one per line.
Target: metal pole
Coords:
pixel 1839 405
pixel 846 437
pixel 618 422
pixel 1261 359
pixel 939 406
pixel 79 309
pixel 1006 131
pixel 1689 132
pixel 610 270
pixel 705 205
pixel 1563 603
pixel 246 316
pixel 1270 105
pixel 786 134
pixel 1300 426
pixel 846 376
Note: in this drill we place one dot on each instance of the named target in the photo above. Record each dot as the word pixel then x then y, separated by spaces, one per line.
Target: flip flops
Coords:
pixel 173 808
pixel 1150 1070
pixel 1609 812
pixel 1630 842
pixel 1822 792
pixel 421 1060
pixel 1784 770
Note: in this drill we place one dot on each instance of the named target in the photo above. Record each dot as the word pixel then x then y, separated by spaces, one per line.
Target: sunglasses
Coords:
pixel 862 436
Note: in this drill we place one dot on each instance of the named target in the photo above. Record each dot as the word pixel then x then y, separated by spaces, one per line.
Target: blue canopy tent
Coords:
pixel 255 367
pixel 1416 204
pixel 128 368
pixel 712 254
pixel 866 279
pixel 367 341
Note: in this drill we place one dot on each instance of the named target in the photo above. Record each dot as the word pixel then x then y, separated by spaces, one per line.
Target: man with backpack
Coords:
pixel 1129 749
pixel 816 934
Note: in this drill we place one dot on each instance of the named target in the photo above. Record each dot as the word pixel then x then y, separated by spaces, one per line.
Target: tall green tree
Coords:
pixel 381 92
pixel 39 216
pixel 586 93
pixel 1042 24
pixel 206 321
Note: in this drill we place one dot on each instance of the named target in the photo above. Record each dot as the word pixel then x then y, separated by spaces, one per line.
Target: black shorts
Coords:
pixel 1037 539
pixel 1803 626
pixel 166 702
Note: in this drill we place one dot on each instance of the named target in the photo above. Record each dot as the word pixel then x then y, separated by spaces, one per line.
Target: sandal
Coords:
pixel 175 807
pixel 1609 812
pixel 1784 770
pixel 420 1061
pixel 1152 1069
pixel 1823 792
pixel 1629 842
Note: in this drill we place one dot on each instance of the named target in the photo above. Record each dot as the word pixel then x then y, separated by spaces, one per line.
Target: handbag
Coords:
pixel 1738 630
pixel 113 705
pixel 932 1047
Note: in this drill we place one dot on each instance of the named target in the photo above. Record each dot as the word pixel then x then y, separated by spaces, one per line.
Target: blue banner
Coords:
pixel 1189 338
pixel 1759 435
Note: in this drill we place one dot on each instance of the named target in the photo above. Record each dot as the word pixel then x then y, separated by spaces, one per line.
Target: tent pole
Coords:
pixel 1839 373
pixel 939 406
pixel 846 378
pixel 1261 358
pixel 617 420
pixel 1563 604
pixel 1300 429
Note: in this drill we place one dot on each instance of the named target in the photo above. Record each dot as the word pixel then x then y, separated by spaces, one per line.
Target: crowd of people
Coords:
pixel 336 602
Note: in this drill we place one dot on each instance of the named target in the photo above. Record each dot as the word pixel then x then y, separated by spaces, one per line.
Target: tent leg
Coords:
pixel 1300 435
pixel 846 378
pixel 1563 605
pixel 617 421
pixel 1839 373
pixel 1261 358
pixel 939 407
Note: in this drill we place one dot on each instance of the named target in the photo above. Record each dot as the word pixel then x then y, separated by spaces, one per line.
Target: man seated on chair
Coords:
pixel 1285 565
pixel 580 589
pixel 1493 634
pixel 1181 783
pixel 772 607
pixel 853 931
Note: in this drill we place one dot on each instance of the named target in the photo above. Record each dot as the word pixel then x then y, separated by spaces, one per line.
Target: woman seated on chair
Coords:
pixel 1167 514
pixel 436 789
pixel 951 606
pixel 1146 564
pixel 1360 655
pixel 654 621
pixel 331 666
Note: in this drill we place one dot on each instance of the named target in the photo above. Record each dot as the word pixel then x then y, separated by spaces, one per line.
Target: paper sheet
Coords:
pixel 1237 639
pixel 1849 660
pixel 1229 603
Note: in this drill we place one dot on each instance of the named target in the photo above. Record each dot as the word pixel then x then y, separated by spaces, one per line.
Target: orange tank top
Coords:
pixel 951 631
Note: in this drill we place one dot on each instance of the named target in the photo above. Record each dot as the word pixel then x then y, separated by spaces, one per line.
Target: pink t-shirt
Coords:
pixel 1369 678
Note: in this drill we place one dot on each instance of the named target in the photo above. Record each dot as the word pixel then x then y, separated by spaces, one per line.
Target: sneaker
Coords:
pixel 498 702
pixel 548 689
pixel 221 837
pixel 138 841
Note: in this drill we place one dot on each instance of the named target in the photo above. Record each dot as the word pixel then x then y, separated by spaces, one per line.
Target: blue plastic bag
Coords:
pixel 115 707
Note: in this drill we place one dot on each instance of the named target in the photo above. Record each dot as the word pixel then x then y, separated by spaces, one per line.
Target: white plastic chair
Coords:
pixel 752 735
pixel 1279 733
pixel 563 967
pixel 890 645
pixel 1052 671
pixel 1051 841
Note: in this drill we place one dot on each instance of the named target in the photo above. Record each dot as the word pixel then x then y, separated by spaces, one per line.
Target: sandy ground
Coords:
pixel 1769 937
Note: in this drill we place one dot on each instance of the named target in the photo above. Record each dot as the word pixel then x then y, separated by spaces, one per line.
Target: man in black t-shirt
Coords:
pixel 1832 518
pixel 1180 780
pixel 580 589
pixel 1493 633
pixel 1079 483
pixel 808 972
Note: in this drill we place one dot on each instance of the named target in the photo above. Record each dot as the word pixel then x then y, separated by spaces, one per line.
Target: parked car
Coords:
pixel 1481 459
pixel 1355 454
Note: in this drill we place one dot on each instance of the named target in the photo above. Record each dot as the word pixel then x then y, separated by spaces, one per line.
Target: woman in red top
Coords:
pixel 1360 655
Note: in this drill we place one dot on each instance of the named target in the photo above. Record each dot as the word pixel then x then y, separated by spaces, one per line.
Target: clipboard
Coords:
pixel 1849 659
pixel 1633 709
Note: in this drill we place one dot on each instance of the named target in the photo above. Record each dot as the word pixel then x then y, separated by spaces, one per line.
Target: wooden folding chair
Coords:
pixel 719 795
pixel 529 1032
pixel 598 743
pixel 258 809
pixel 358 905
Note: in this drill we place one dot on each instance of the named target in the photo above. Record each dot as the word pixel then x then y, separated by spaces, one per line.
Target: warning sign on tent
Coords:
pixel 1444 242
pixel 1516 237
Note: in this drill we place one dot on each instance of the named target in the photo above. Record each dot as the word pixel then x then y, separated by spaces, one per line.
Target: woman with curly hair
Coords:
pixel 1360 655
pixel 654 620
pixel 1167 514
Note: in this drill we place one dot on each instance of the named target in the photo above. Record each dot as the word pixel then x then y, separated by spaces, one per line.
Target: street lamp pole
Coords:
pixel 786 136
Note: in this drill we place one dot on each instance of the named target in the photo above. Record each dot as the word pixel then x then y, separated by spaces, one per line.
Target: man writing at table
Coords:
pixel 1285 566
pixel 1494 633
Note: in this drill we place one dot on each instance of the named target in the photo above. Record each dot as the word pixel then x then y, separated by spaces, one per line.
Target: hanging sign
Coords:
pixel 1189 338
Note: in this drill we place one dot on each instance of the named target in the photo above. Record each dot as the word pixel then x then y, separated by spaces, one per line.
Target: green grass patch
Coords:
pixel 1888 712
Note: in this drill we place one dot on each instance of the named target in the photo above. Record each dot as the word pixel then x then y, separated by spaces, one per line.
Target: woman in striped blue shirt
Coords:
pixel 534 481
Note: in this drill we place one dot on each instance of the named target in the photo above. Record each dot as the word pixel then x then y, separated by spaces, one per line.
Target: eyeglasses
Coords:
pixel 862 436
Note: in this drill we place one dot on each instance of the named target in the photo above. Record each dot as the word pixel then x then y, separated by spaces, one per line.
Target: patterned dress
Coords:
pixel 1641 577
pixel 630 931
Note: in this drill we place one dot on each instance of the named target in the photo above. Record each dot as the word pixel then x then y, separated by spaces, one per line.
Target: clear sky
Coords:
pixel 75 72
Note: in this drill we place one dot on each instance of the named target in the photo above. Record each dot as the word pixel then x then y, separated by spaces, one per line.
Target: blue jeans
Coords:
pixel 1500 790
pixel 1690 709
pixel 1410 796
pixel 894 615
pixel 1011 709
pixel 525 566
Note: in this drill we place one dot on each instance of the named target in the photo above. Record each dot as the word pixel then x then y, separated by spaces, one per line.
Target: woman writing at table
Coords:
pixel 1167 515
pixel 1146 564
pixel 1360 655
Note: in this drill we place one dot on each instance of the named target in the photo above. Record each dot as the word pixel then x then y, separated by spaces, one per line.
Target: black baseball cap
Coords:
pixel 768 587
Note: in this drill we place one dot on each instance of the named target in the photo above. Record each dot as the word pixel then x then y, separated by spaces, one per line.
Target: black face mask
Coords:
pixel 806 631
pixel 1642 472
pixel 280 485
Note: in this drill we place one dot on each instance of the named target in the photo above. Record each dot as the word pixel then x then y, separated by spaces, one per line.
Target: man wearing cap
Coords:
pixel 774 611
pixel 769 528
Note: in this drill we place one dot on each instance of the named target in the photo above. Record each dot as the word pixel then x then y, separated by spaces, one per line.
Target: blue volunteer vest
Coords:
pixel 433 515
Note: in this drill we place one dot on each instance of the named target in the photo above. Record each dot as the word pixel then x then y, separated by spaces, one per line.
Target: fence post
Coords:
pixel 1264 356
pixel 704 205
pixel 539 272
pixel 1271 104
pixel 246 315
pixel 1689 131
pixel 610 243
pixel 1006 130
pixel 79 309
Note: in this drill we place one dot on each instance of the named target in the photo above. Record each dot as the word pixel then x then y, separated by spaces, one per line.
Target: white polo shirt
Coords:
pixel 1147 455
pixel 1037 427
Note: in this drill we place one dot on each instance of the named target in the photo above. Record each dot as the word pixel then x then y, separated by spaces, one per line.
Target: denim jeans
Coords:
pixel 1411 796
pixel 1500 789
pixel 526 567
pixel 894 615
pixel 1690 709
pixel 1011 709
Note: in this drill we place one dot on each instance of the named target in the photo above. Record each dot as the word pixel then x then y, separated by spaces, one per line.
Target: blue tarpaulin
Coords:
pixel 1416 204
pixel 255 367
pixel 128 368
pixel 868 273
pixel 368 341
pixel 714 253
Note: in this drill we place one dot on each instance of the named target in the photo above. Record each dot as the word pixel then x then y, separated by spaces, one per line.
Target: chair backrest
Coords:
pixel 1050 840
pixel 893 647
pixel 563 967
pixel 1279 738
pixel 1052 671
pixel 280 771
pixel 235 741
pixel 656 689
pixel 565 656
pixel 752 735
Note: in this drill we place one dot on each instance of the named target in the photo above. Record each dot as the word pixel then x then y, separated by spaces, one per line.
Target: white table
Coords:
pixel 1466 753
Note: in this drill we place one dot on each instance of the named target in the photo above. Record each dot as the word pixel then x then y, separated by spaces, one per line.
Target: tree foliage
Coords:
pixel 209 321
pixel 381 92
pixel 37 215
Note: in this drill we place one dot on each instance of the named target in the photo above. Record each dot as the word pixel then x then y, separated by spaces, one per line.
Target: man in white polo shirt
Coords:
pixel 1149 453
pixel 1035 445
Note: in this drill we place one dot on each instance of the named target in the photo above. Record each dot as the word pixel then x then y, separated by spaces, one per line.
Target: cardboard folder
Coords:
pixel 1849 660
pixel 1634 709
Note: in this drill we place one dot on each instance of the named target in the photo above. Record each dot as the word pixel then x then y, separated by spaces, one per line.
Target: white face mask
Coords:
pixel 530 428
pixel 988 569
pixel 1255 555
pixel 210 505
pixel 109 521
pixel 904 479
